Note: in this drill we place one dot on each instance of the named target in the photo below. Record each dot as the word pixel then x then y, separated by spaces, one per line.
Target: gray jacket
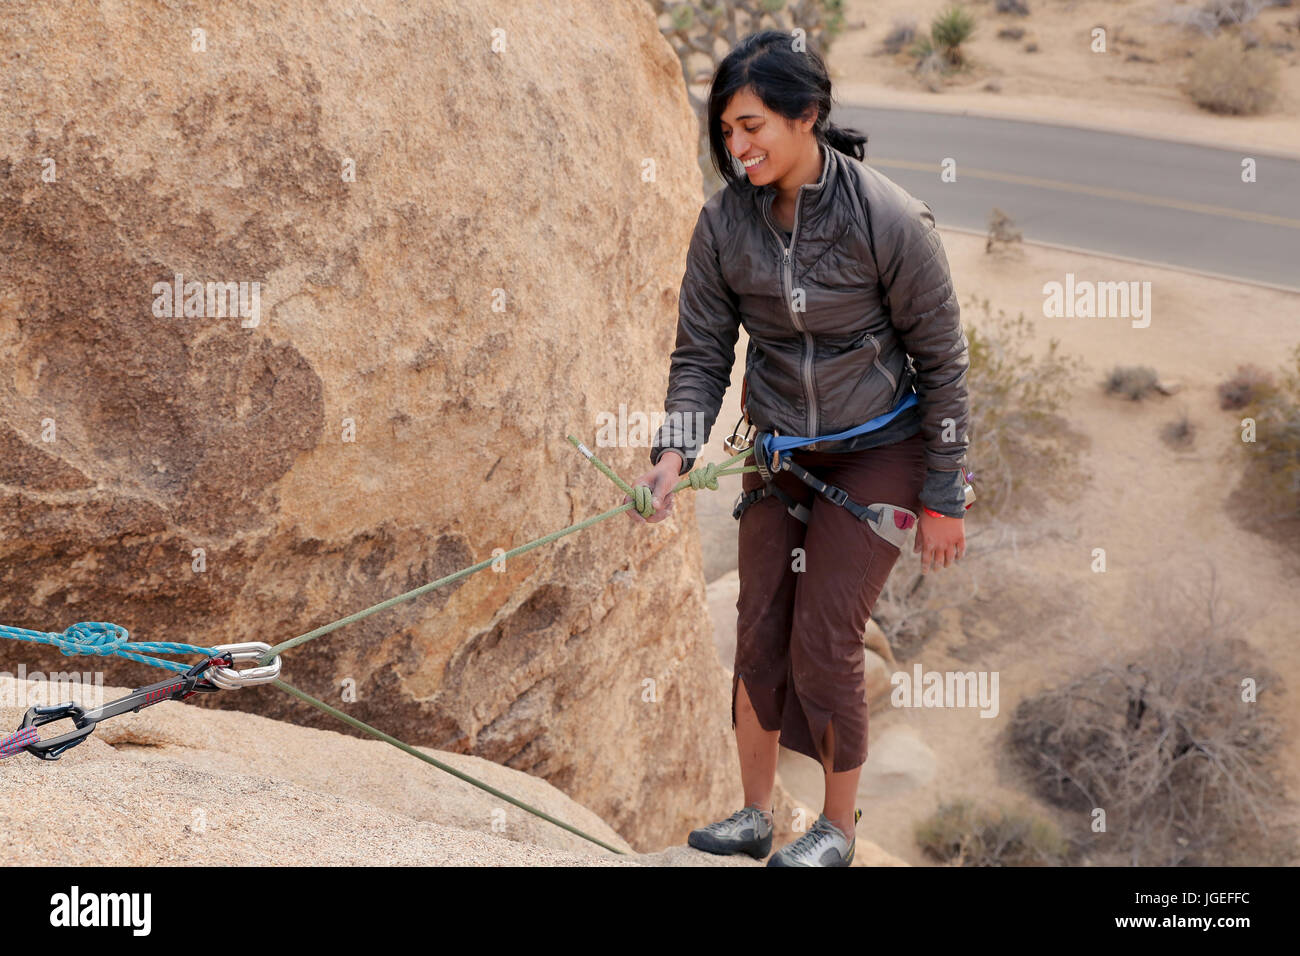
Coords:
pixel 842 323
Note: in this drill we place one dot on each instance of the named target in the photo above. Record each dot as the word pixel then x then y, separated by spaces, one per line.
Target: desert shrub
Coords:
pixel 902 33
pixel 930 65
pixel 961 834
pixel 1224 77
pixel 950 29
pixel 1021 448
pixel 940 51
pixel 1134 382
pixel 1022 454
pixel 1166 742
pixel 1180 433
pixel 1011 33
pixel 1273 458
pixel 1247 384
pixel 1001 230
pixel 1017 7
pixel 1212 15
pixel 922 47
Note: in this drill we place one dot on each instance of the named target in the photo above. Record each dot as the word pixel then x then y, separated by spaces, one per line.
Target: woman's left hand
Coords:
pixel 940 540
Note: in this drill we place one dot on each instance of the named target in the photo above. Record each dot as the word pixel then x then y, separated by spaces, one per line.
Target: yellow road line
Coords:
pixel 1100 191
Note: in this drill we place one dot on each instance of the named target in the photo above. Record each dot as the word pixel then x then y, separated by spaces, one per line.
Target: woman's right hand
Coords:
pixel 660 479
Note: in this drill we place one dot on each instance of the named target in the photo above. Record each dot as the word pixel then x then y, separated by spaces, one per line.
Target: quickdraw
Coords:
pixel 208 676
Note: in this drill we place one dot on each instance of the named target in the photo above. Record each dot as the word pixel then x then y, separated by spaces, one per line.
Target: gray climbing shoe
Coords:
pixel 746 831
pixel 822 845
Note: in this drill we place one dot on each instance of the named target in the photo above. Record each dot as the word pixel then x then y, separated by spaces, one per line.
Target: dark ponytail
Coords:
pixel 847 141
pixel 791 83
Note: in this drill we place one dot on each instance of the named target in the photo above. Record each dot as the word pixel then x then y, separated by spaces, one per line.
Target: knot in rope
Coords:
pixel 642 499
pixel 94 639
pixel 706 477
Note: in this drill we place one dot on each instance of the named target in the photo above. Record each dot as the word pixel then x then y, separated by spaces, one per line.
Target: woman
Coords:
pixel 841 282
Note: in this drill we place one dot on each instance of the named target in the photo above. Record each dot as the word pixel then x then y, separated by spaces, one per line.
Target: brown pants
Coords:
pixel 799 632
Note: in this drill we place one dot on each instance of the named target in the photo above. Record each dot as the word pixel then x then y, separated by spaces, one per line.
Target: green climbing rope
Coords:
pixel 347 719
pixel 706 477
pixel 697 479
pixel 103 639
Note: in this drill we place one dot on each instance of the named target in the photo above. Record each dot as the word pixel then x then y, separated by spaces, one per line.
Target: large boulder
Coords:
pixel 467 224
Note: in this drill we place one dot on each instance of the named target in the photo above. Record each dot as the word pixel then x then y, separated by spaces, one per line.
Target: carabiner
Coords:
pixel 227 678
pixel 55 747
pixel 737 443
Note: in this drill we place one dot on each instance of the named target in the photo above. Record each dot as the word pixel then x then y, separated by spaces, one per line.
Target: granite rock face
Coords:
pixel 432 240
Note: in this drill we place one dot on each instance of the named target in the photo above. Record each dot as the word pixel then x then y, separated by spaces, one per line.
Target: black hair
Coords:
pixel 789 83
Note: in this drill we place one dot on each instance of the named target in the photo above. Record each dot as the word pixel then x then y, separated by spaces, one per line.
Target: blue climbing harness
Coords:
pixel 890 521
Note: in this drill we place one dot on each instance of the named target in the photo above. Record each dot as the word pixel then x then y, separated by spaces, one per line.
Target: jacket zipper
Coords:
pixel 893 383
pixel 787 283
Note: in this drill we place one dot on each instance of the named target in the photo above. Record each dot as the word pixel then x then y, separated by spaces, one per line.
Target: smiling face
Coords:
pixel 767 143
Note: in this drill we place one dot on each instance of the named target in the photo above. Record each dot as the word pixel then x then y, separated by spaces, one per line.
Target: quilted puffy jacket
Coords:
pixel 856 310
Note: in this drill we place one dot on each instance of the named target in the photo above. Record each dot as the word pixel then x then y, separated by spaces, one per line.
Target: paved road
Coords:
pixel 1142 198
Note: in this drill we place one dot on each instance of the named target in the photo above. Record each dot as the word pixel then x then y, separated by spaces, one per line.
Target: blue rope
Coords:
pixel 102 639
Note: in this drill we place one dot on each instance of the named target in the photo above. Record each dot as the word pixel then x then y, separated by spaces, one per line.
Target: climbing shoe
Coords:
pixel 822 845
pixel 745 831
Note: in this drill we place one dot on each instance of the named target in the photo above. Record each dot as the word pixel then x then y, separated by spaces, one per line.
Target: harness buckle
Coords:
pixel 837 495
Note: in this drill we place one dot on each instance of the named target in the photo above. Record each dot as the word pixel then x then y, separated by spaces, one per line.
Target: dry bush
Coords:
pixel 1210 16
pixel 910 606
pixel 1162 740
pixel 902 33
pixel 1180 433
pixel 910 602
pixel 1224 77
pixel 960 834
pixel 1247 385
pixel 1017 7
pixel 1022 455
pixel 1001 230
pixel 1022 451
pixel 1134 382
pixel 1273 458
pixel 930 65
